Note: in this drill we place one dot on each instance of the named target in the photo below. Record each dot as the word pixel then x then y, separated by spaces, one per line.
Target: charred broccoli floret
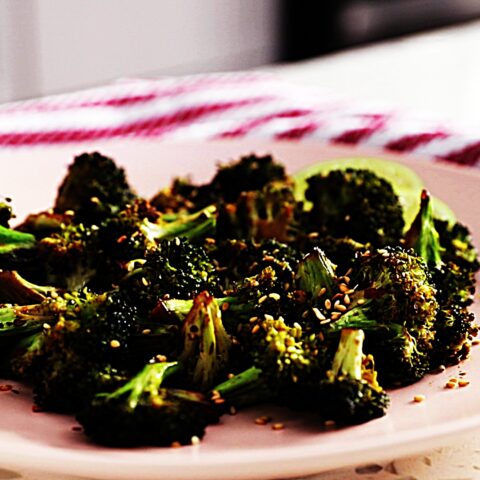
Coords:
pixel 351 394
pixel 452 257
pixel 94 189
pixel 174 268
pixel 395 304
pixel 144 412
pixel 260 214
pixel 206 344
pixel 354 203
pixel 83 353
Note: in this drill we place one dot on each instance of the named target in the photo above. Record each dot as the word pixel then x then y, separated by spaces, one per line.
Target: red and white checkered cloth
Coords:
pixel 219 106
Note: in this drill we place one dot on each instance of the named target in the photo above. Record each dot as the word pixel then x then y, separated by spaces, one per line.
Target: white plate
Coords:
pixel 237 448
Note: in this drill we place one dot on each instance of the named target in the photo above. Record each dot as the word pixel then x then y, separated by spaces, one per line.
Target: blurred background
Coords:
pixel 51 46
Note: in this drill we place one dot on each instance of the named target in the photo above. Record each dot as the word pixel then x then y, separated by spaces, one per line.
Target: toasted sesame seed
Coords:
pixel 69 213
pixel 346 278
pixel 160 358
pixel 278 426
pixel 419 398
pixel 318 313
pixel 256 328
pixel 95 200
pixel 253 319
pixel 322 291
pixel 146 331
pixel 219 401
pixel 463 383
pixel 210 240
pixel 47 326
pixel 305 314
pixel 327 320
pixel 361 301
pixel 177 241
pixel 350 292
pixel 145 281
pixel 476 341
pixel 230 375
pixel 262 299
pixel 341 308
pixel 337 296
pixel 195 440
pixel 261 421
pixel 335 316
pixel 348 272
pixel 274 296
pixel 450 385
pixel 225 306
pixel 343 287
pixel 313 235
pixel 268 258
pixel 175 445
pixel 346 299
pixel 453 379
pixel 328 304
pixel 114 343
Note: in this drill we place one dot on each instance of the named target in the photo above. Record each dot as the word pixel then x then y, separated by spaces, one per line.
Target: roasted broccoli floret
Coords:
pixel 144 412
pixel 395 304
pixel 351 394
pixel 206 344
pixel 174 268
pixel 452 257
pixel 260 214
pixel 83 353
pixel 94 189
pixel 354 203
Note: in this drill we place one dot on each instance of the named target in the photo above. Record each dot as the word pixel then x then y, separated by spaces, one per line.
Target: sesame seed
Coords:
pixel 361 301
pixel 69 213
pixel 160 358
pixel 450 385
pixel 313 235
pixel 305 314
pixel 476 342
pixel 343 287
pixel 210 240
pixel 328 304
pixel 278 426
pixel 253 319
pixel 322 291
pixel 195 440
pixel 175 445
pixel 177 241
pixel 46 326
pixel 327 320
pixel 347 279
pixel 318 313
pixel 262 420
pixel 114 343
pixel 146 331
pixel 348 272
pixel 145 281
pixel 274 296
pixel 262 299
pixel 419 398
pixel 335 316
pixel 225 306
pixel 230 375
pixel 341 308
pixel 346 299
pixel 463 383
pixel 95 200
pixel 329 423
pixel 256 328
pixel 219 401
pixel 453 379
pixel 350 292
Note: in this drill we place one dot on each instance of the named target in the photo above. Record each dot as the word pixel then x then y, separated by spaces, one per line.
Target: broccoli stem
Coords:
pixel 192 226
pixel 12 239
pixel 149 379
pixel 349 355
pixel 315 272
pixel 244 389
pixel 422 235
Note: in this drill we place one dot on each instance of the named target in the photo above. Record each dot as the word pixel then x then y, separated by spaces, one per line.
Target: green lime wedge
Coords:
pixel 405 182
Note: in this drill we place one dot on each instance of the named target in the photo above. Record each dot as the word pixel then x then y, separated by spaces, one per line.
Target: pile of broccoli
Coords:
pixel 149 320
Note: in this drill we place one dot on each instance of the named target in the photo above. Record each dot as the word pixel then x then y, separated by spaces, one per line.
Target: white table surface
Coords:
pixel 435 75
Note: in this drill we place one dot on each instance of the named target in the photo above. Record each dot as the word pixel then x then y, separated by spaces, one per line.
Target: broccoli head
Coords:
pixel 94 189
pixel 354 203
pixel 143 412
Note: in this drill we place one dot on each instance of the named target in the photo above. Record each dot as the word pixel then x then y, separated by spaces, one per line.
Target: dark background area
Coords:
pixel 311 28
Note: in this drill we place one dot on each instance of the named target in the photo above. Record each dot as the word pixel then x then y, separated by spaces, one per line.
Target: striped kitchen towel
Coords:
pixel 222 106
